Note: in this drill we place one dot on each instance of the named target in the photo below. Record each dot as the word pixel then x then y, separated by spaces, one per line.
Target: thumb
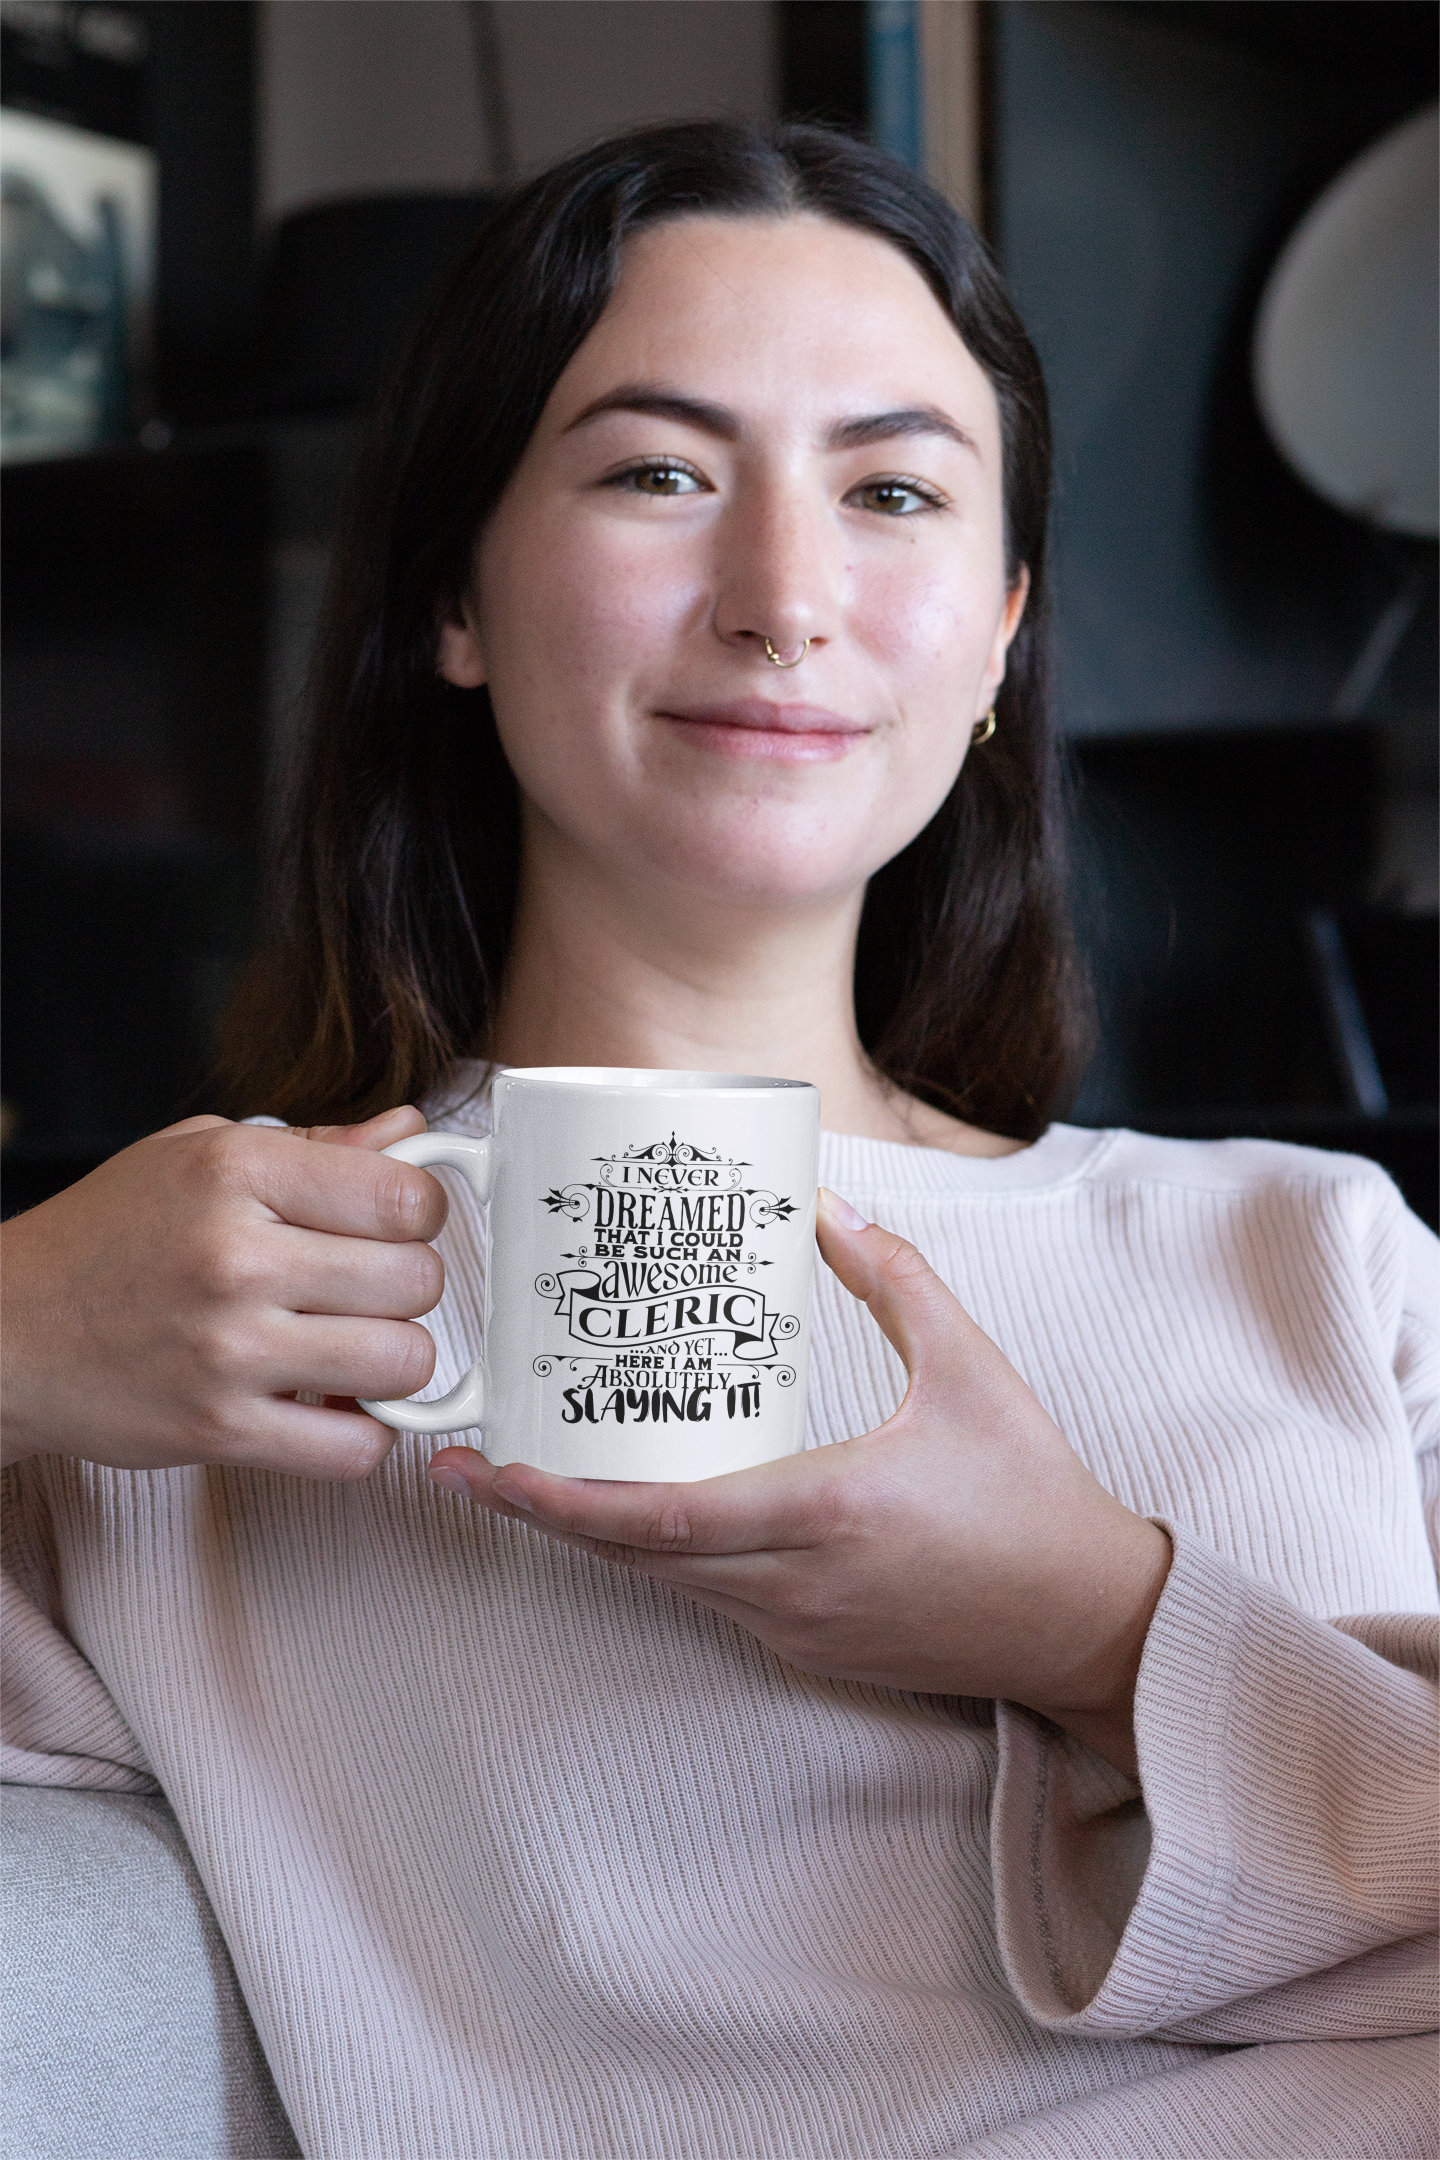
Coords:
pixel 378 1132
pixel 914 1309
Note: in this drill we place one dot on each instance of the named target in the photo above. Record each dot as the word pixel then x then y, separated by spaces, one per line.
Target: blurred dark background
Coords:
pixel 1246 673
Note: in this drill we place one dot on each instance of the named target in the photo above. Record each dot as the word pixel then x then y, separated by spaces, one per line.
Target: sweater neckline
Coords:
pixel 1061 1154
pixel 851 1163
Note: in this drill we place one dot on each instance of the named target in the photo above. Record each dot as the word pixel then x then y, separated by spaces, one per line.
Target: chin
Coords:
pixel 762 861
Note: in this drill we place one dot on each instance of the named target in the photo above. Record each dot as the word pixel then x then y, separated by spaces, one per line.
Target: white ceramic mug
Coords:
pixel 651 1242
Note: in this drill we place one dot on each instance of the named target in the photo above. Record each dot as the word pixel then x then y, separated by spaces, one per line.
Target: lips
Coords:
pixel 757 728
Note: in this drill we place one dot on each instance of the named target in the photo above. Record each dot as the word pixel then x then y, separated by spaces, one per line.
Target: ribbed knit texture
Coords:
pixel 522 1857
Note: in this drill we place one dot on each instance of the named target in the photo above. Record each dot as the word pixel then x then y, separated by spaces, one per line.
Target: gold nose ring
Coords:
pixel 775 660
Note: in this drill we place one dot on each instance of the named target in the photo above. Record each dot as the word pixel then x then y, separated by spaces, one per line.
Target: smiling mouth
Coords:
pixel 756 728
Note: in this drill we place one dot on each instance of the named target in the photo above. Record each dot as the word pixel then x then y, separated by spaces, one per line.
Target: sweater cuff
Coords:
pixel 1271 1843
pixel 1078 1960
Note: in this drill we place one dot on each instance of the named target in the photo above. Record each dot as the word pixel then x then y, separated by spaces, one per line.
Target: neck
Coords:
pixel 599 974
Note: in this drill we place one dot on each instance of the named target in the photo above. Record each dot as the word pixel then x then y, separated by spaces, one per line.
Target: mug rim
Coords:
pixel 646 1080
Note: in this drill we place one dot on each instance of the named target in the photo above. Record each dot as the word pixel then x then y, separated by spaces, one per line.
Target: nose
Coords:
pixel 779 575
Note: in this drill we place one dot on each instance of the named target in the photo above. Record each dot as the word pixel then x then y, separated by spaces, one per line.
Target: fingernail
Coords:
pixel 840 1211
pixel 452 1479
pixel 512 1499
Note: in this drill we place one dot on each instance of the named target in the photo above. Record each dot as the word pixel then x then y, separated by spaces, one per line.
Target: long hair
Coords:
pixel 398 877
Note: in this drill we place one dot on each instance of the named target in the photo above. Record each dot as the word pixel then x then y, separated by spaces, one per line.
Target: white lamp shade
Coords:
pixel 1346 342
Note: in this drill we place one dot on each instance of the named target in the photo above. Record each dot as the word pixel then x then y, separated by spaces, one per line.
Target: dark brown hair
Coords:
pixel 398 880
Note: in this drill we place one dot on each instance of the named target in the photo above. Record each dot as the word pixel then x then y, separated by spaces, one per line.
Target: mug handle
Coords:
pixel 464 1405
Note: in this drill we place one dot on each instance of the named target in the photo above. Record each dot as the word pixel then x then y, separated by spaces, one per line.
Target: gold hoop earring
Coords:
pixel 983 729
pixel 775 660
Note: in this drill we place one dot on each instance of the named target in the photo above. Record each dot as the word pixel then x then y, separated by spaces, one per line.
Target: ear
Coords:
pixel 458 657
pixel 1005 629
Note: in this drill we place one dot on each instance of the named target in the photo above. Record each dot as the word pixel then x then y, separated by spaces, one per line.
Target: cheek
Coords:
pixel 929 629
pixel 576 606
pixel 930 626
pixel 570 623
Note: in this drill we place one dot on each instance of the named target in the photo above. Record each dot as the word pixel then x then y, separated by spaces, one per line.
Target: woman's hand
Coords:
pixel 168 1307
pixel 963 1548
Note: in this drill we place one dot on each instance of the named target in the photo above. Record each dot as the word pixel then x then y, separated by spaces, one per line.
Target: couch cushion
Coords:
pixel 125 2033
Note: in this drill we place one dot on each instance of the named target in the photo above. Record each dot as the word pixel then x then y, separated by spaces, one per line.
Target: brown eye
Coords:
pixel 663 480
pixel 895 498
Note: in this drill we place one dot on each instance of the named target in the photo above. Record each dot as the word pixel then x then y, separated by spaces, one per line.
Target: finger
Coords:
pixel 778 1506
pixel 380 1131
pixel 912 1306
pixel 740 1585
pixel 373 1359
pixel 339 1444
pixel 317 1185
pixel 309 1271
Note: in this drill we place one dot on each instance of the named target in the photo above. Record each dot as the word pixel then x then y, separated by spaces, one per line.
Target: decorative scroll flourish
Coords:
pixel 637 1323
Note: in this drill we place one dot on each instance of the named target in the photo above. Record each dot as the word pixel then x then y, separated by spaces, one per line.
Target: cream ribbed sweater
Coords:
pixel 522 1857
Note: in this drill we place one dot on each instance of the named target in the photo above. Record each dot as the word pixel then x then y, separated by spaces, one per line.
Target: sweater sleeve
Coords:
pixel 1277 1880
pixel 61 1725
pixel 1272 1877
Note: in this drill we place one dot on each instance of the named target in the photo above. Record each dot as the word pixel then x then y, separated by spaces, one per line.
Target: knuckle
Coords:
pixel 206 1121
pixel 223 1355
pixel 227 1266
pixel 426 1277
pixel 904 1263
pixel 404 1201
pixel 218 1433
pixel 670 1528
pixel 413 1356
pixel 364 1455
pixel 223 1156
pixel 617 1555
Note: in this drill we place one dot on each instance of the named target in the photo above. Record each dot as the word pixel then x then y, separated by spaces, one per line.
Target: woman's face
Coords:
pixel 772 432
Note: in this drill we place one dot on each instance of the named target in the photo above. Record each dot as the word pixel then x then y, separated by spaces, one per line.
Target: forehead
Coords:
pixel 778 314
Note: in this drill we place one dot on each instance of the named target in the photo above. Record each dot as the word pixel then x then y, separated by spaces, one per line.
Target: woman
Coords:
pixel 977 1786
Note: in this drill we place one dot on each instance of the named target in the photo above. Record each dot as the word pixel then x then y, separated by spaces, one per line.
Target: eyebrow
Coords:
pixel 660 403
pixel 887 426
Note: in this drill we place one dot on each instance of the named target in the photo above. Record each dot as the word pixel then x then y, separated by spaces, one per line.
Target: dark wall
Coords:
pixel 1381 41
pixel 135 632
pixel 134 663
pixel 822 61
pixel 202 106
pixel 1148 165
pixel 1201 857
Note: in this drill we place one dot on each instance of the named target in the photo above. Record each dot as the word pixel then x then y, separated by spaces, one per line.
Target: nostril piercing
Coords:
pixel 775 660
